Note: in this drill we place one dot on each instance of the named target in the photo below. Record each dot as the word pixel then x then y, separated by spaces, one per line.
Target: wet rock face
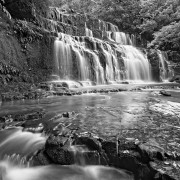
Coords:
pixel 154 61
pixel 19 9
pixel 57 150
pixel 175 78
pixel 24 9
pixel 19 118
pixel 26 57
pixel 165 93
pixel 26 49
pixel 67 149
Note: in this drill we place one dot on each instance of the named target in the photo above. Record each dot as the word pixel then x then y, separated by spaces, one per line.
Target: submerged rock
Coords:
pixel 165 93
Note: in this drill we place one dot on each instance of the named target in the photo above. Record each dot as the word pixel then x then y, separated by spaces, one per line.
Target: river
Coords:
pixel 110 115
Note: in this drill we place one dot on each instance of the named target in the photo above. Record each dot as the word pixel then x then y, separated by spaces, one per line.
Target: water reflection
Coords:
pixel 105 114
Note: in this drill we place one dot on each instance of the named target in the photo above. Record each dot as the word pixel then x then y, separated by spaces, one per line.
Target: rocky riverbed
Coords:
pixel 136 131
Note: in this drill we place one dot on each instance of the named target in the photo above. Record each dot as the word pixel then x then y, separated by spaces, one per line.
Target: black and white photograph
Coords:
pixel 89 89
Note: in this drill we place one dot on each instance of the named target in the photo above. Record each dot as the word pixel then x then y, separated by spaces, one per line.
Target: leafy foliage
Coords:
pixel 125 14
pixel 168 37
pixel 57 3
pixel 161 24
pixel 158 13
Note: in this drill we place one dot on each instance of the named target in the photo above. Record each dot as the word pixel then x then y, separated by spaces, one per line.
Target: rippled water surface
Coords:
pixel 104 114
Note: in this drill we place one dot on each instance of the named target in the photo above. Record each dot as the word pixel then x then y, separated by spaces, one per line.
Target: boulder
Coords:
pixel 57 149
pixel 165 93
pixel 175 78
pixel 20 9
pixel 120 156
pixel 90 142
pixel 151 150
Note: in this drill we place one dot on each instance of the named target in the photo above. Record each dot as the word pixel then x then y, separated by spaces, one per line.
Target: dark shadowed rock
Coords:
pixel 41 158
pixel 57 149
pixel 68 114
pixel 90 142
pixel 121 156
pixel 175 78
pixel 164 93
pixel 154 61
pixel 151 150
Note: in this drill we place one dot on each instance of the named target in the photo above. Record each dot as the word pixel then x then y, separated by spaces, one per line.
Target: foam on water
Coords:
pixel 17 141
pixel 85 58
pixel 16 172
pixel 16 145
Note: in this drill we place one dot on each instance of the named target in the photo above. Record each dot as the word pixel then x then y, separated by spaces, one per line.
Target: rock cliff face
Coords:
pixel 26 50
pixel 154 60
pixel 19 9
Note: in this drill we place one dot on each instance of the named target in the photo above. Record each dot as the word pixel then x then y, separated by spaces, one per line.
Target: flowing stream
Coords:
pixel 16 148
pixel 101 114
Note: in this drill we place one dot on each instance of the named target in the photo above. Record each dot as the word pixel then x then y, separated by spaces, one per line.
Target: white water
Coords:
pixel 165 71
pixel 17 167
pixel 16 141
pixel 136 64
pixel 66 49
pixel 88 31
pixel 15 172
pixel 88 64
pixel 85 58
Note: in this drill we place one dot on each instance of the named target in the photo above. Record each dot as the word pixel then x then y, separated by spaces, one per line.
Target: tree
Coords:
pixel 168 37
pixel 158 13
pixel 125 14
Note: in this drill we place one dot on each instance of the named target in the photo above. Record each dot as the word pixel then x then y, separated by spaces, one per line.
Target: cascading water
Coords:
pixel 88 31
pixel 14 172
pixel 165 70
pixel 136 64
pixel 71 53
pixel 119 37
pixel 15 147
pixel 14 140
pixel 86 58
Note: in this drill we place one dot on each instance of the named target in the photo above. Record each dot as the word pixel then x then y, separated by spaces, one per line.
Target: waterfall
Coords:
pixel 166 71
pixel 121 38
pixel 88 31
pixel 17 141
pixel 87 58
pixel 67 50
pixel 133 40
pixel 136 64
